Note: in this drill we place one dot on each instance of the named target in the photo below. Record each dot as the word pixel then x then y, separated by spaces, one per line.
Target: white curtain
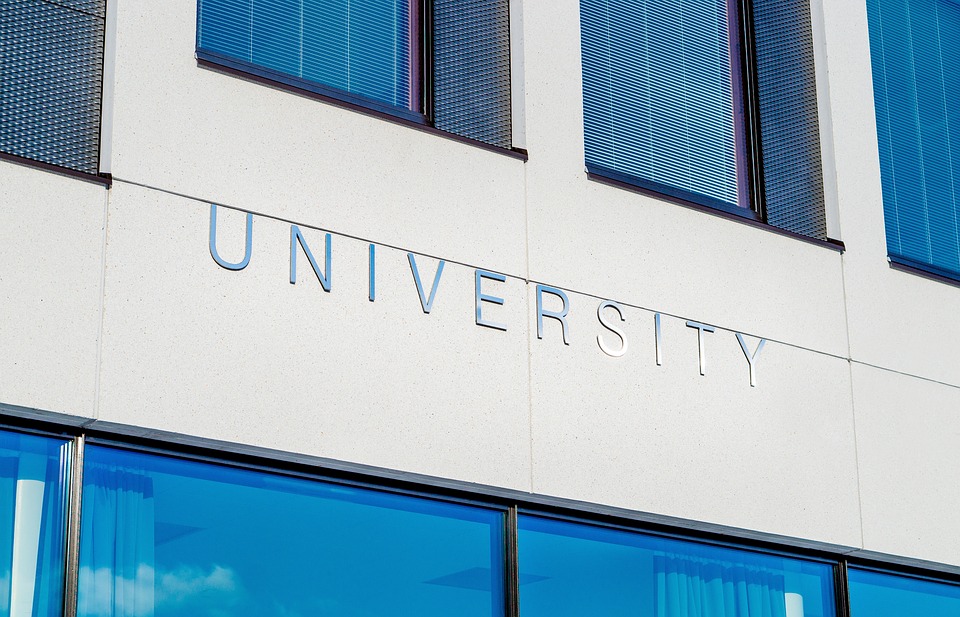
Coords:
pixel 116 544
pixel 694 587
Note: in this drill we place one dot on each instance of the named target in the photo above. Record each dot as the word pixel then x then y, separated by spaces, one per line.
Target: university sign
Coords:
pixel 609 313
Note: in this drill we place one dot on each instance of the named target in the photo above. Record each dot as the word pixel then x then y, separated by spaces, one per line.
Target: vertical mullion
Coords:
pixel 426 57
pixel 753 155
pixel 511 556
pixel 841 589
pixel 72 557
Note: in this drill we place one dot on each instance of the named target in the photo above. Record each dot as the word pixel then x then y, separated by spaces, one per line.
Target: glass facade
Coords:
pixel 569 569
pixel 164 537
pixel 33 481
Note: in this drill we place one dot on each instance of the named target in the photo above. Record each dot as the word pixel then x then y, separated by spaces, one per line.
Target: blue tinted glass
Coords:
pixel 915 52
pixel 363 48
pixel 33 481
pixel 883 595
pixel 165 537
pixel 660 94
pixel 568 569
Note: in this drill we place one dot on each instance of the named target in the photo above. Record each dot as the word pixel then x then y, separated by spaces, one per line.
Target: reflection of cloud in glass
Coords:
pixel 5 589
pixel 187 583
pixel 203 590
pixel 104 592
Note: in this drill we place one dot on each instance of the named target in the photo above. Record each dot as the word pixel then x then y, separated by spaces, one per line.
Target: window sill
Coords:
pixel 740 215
pixel 925 270
pixel 104 180
pixel 345 100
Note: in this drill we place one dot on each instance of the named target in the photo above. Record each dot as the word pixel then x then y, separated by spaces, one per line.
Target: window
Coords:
pixel 711 102
pixel 33 479
pixel 166 537
pixel 876 594
pixel 571 569
pixel 443 63
pixel 915 51
pixel 51 68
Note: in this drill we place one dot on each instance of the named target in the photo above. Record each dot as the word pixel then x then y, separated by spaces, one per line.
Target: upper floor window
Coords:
pixel 706 101
pixel 51 73
pixel 443 63
pixel 915 51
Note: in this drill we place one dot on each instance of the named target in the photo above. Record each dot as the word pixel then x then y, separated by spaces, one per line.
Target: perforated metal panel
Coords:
pixel 472 69
pixel 790 135
pixel 51 67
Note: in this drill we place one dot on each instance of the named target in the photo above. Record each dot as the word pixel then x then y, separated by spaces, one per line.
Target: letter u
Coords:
pixel 213 242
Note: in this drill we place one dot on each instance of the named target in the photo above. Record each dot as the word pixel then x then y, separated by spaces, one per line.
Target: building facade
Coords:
pixel 550 307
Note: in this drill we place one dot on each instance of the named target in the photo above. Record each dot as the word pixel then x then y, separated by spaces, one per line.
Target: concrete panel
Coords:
pixel 907 435
pixel 221 138
pixel 612 242
pixel 897 320
pixel 778 457
pixel 51 249
pixel 245 356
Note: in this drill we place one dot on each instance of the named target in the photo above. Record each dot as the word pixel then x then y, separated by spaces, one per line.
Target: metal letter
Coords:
pixel 615 353
pixel 373 271
pixel 751 358
pixel 481 297
pixel 659 338
pixel 427 304
pixel 213 242
pixel 561 316
pixel 701 328
pixel 297 237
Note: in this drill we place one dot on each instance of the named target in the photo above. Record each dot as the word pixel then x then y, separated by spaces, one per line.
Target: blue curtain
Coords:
pixel 690 587
pixel 116 543
pixel 661 97
pixel 915 52
pixel 362 47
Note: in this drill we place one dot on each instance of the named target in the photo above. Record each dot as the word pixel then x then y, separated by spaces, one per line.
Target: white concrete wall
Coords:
pixel 848 436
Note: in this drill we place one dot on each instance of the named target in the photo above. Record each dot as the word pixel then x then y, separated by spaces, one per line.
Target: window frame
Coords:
pixel 746 121
pixel 792 173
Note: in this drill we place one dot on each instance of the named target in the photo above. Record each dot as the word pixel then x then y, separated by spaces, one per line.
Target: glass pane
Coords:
pixel 163 537
pixel 915 54
pixel 569 569
pixel 883 595
pixel 661 96
pixel 368 48
pixel 33 480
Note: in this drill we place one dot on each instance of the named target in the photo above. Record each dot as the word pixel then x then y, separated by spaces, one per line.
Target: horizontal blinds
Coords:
pixel 51 73
pixel 915 50
pixel 658 95
pixel 471 43
pixel 789 126
pixel 362 47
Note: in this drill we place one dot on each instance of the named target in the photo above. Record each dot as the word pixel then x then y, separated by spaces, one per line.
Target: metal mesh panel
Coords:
pixel 472 69
pixel 51 66
pixel 790 136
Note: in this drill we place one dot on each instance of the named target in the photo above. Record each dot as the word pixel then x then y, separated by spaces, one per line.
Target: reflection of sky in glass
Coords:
pixel 569 569
pixel 32 524
pixel 882 595
pixel 242 543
